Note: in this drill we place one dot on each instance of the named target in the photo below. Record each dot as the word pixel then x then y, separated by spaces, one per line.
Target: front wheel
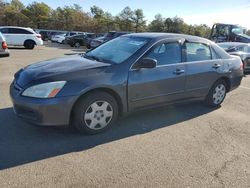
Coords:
pixel 216 94
pixel 95 113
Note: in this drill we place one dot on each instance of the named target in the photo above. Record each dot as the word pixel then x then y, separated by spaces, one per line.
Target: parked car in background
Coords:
pixel 109 36
pixel 21 36
pixel 96 42
pixel 240 49
pixel 45 35
pixel 53 33
pixel 228 33
pixel 126 74
pixel 72 33
pixel 81 40
pixel 3 46
pixel 58 38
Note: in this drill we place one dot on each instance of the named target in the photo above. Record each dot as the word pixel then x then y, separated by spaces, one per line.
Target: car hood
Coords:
pixel 245 38
pixel 54 67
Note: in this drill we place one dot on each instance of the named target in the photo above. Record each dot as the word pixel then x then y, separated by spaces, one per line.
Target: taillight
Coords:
pixel 4 45
pixel 242 66
pixel 39 36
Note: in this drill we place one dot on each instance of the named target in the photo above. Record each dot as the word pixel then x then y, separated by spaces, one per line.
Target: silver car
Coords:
pixel 3 47
pixel 239 49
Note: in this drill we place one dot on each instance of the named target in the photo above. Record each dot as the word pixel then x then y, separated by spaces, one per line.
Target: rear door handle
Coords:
pixel 216 66
pixel 179 71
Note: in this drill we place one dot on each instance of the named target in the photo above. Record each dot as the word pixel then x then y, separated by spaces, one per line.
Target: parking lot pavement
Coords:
pixel 175 146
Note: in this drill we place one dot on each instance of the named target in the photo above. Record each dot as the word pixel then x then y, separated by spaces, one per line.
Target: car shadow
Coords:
pixel 22 143
pixel 17 48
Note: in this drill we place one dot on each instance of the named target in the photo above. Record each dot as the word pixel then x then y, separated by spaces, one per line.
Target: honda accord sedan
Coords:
pixel 132 72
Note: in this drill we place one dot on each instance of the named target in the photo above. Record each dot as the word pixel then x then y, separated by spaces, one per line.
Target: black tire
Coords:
pixel 29 45
pixel 80 110
pixel 210 100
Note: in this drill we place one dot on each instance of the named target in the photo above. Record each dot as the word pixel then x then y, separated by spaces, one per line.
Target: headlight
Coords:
pixel 46 90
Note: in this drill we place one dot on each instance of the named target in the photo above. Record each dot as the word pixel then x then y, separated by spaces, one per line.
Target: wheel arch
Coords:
pixel 29 40
pixel 113 93
pixel 227 81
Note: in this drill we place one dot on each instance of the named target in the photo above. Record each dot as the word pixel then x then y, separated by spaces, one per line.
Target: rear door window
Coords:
pixel 197 52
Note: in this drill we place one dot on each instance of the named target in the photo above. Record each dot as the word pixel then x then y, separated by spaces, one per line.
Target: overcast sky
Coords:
pixel 192 11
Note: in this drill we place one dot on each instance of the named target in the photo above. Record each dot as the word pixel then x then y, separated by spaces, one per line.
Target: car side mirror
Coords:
pixel 146 63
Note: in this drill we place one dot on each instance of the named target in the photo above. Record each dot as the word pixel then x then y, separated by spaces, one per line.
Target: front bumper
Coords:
pixel 44 112
pixel 39 42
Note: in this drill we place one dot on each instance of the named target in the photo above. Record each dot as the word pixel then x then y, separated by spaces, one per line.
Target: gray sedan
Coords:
pixel 240 49
pixel 130 73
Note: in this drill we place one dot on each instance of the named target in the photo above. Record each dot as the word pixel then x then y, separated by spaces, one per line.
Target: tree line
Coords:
pixel 41 16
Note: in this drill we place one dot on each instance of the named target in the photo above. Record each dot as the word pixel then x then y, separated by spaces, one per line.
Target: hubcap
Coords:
pixel 77 45
pixel 219 94
pixel 98 115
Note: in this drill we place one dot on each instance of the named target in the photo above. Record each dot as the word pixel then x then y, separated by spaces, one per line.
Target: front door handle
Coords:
pixel 216 66
pixel 179 71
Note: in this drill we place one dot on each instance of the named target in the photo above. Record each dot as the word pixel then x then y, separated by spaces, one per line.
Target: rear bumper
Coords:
pixel 43 112
pixel 4 53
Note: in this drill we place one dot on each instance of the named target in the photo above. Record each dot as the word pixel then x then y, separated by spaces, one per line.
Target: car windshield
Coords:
pixel 118 50
pixel 237 30
pixel 1 36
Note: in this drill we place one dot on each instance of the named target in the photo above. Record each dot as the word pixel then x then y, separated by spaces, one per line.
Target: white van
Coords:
pixel 21 36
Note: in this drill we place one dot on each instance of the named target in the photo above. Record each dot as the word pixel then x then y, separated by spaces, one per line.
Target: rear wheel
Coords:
pixel 95 113
pixel 77 45
pixel 29 45
pixel 216 94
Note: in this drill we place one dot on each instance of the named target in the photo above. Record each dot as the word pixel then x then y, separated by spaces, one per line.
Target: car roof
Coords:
pixel 158 36
pixel 233 44
pixel 16 27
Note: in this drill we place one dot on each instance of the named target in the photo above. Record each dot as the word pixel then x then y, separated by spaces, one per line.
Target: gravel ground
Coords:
pixel 175 146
